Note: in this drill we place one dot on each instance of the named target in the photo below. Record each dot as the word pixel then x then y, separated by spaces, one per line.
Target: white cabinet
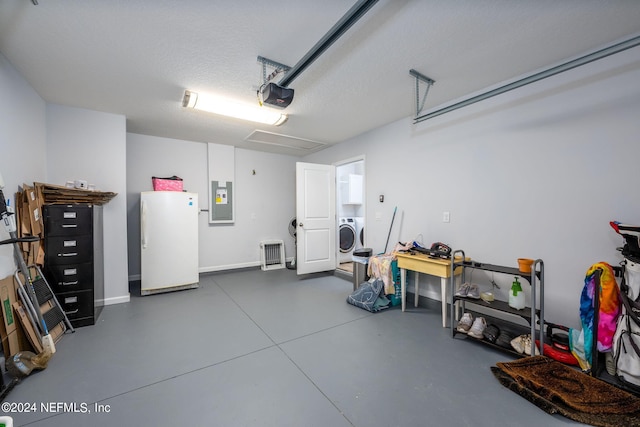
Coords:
pixel 352 193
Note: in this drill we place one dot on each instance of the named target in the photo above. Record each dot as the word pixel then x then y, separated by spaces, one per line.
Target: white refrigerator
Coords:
pixel 169 241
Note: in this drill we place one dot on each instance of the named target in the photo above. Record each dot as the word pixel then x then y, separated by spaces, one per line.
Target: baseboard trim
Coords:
pixel 229 267
pixel 114 300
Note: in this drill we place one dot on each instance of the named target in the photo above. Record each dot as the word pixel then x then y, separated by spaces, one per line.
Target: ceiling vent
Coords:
pixel 270 138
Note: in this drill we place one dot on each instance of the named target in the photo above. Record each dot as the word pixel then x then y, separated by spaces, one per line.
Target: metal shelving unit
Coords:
pixel 533 315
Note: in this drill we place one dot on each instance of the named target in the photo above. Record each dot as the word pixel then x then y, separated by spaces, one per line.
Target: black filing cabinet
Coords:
pixel 74 259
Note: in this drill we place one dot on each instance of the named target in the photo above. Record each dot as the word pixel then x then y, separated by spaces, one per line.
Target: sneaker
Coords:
pixel 478 327
pixel 504 339
pixel 526 343
pixel 473 292
pixel 517 344
pixel 465 322
pixel 463 290
pixel 491 333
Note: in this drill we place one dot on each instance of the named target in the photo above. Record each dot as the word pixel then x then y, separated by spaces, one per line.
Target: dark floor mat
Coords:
pixel 558 388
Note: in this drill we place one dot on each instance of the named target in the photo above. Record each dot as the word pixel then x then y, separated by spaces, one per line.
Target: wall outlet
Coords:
pixel 378 216
pixel 446 216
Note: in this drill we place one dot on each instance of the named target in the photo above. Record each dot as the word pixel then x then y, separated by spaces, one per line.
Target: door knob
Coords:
pixel 300 224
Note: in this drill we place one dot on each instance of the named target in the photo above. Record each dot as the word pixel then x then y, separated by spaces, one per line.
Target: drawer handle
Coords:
pixel 72 312
pixel 69 225
pixel 69 254
pixel 68 283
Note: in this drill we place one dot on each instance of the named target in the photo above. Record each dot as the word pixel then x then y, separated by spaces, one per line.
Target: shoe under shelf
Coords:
pixel 503 325
pixel 498 305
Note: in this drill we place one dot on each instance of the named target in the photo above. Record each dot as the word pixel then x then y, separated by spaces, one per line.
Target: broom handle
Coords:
pixel 390 227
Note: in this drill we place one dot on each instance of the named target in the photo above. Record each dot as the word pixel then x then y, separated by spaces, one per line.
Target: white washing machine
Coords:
pixel 347 239
pixel 359 222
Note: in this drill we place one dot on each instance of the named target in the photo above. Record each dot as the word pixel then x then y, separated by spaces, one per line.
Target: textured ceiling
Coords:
pixel 136 57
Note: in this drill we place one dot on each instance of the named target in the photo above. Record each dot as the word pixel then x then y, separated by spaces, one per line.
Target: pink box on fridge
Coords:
pixel 173 183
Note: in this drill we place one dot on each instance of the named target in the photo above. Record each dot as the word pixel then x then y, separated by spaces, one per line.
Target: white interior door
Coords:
pixel 316 217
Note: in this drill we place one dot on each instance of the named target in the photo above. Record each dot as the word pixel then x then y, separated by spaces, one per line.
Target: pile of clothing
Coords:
pixel 369 296
pixel 372 294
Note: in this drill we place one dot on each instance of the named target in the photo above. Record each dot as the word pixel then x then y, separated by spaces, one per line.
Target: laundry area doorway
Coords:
pixel 350 209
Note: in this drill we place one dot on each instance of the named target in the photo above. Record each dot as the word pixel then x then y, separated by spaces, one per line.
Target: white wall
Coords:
pixel 538 172
pixel 23 147
pixel 264 201
pixel 91 145
pixel 41 142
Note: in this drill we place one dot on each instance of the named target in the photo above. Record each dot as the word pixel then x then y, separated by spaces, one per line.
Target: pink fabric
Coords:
pixel 163 184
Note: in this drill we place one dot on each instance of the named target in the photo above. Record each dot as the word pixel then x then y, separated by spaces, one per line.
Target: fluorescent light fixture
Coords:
pixel 228 107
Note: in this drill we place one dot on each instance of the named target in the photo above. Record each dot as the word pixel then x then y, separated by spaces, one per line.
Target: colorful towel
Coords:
pixel 582 342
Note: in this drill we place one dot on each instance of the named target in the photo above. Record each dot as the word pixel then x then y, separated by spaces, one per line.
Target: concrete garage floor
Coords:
pixel 254 348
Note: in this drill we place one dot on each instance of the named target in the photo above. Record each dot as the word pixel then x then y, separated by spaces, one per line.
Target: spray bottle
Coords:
pixel 516 295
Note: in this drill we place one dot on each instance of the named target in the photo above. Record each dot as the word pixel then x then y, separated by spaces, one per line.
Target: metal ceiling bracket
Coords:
pixel 421 78
pixel 276 65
